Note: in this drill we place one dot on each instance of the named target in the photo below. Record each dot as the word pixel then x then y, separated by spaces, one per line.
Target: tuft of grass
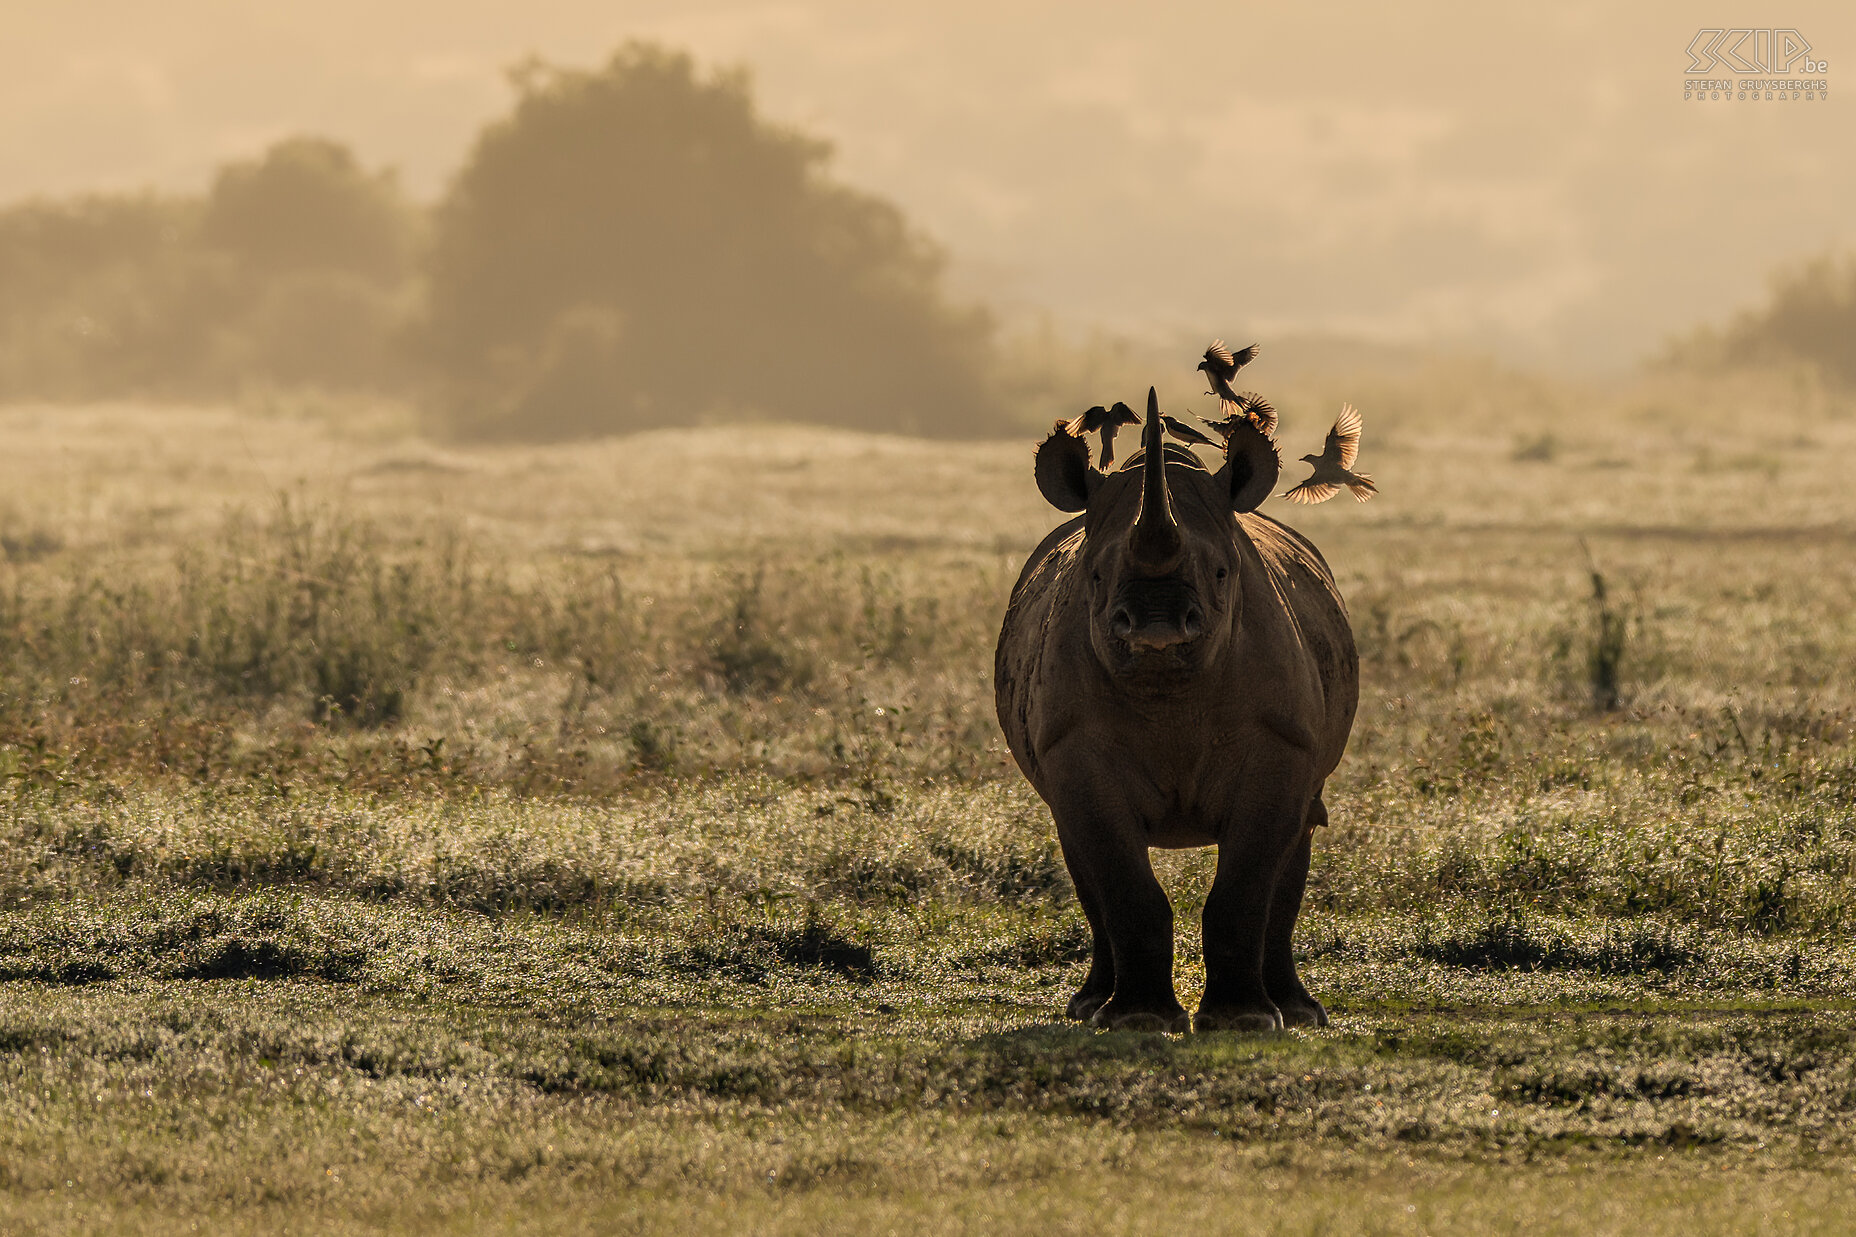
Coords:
pixel 1514 941
pixel 1539 449
pixel 746 653
pixel 1607 643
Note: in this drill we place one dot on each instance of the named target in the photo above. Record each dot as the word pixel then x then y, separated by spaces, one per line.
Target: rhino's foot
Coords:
pixel 1125 1016
pixel 1085 1003
pixel 1299 1009
pixel 1237 1018
pixel 1306 1012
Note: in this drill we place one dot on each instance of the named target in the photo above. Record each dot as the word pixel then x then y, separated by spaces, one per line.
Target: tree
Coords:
pixel 308 205
pixel 106 295
pixel 1812 316
pixel 323 252
pixel 636 246
pixel 294 269
pixel 1809 316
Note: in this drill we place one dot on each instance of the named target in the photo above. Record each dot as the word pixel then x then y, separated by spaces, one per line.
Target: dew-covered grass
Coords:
pixel 399 837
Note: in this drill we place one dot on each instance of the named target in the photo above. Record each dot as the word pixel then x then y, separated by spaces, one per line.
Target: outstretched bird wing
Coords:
pixel 1344 439
pixel 1311 491
pixel 1258 410
pixel 1087 422
pixel 1246 407
pixel 1221 362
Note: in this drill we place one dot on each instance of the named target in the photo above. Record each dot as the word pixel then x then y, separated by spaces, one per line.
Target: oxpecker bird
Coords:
pixel 1185 433
pixel 1221 365
pixel 1334 466
pixel 1248 405
pixel 1107 420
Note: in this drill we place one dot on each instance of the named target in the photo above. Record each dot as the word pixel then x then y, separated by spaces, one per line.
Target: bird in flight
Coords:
pixel 1185 433
pixel 1247 406
pixel 1108 421
pixel 1333 468
pixel 1221 365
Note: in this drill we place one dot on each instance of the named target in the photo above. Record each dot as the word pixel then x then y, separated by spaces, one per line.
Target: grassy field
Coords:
pixel 616 837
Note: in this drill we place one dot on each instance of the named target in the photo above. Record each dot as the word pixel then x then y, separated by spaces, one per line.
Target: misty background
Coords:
pixel 557 218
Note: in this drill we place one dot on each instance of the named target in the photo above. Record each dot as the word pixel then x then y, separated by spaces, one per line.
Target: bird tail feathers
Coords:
pixel 1362 486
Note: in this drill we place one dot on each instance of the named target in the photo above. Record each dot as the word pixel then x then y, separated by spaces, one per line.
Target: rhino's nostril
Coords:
pixel 1121 622
pixel 1193 623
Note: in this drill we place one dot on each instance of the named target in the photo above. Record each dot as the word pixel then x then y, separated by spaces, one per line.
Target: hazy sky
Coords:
pixel 1525 175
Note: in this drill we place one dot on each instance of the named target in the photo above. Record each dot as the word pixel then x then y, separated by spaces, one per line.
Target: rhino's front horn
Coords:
pixel 1155 546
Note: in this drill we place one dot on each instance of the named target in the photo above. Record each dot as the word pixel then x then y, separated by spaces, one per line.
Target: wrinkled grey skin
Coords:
pixel 1175 670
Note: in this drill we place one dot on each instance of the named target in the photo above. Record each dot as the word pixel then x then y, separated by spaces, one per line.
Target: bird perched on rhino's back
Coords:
pixel 1333 468
pixel 1107 421
pixel 1221 365
pixel 1247 406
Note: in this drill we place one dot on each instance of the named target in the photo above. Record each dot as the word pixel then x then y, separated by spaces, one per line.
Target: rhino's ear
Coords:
pixel 1065 476
pixel 1251 465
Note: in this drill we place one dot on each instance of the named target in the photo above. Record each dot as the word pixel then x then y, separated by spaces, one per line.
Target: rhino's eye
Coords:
pixel 1222 573
pixel 1096 576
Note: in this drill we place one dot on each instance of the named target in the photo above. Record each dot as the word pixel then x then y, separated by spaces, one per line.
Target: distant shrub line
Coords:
pixel 632 244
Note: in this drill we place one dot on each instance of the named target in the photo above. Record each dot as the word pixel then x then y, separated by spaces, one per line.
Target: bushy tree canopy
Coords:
pixel 1811 317
pixel 100 296
pixel 307 204
pixel 634 245
pixel 294 269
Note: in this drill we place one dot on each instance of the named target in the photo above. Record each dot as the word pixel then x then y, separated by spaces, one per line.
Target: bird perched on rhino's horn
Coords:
pixel 1185 433
pixel 1334 466
pixel 1247 406
pixel 1221 365
pixel 1107 420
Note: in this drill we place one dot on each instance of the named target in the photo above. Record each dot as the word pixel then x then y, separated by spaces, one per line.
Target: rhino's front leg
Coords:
pixel 1251 854
pixel 1279 975
pixel 1099 984
pixel 1107 858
